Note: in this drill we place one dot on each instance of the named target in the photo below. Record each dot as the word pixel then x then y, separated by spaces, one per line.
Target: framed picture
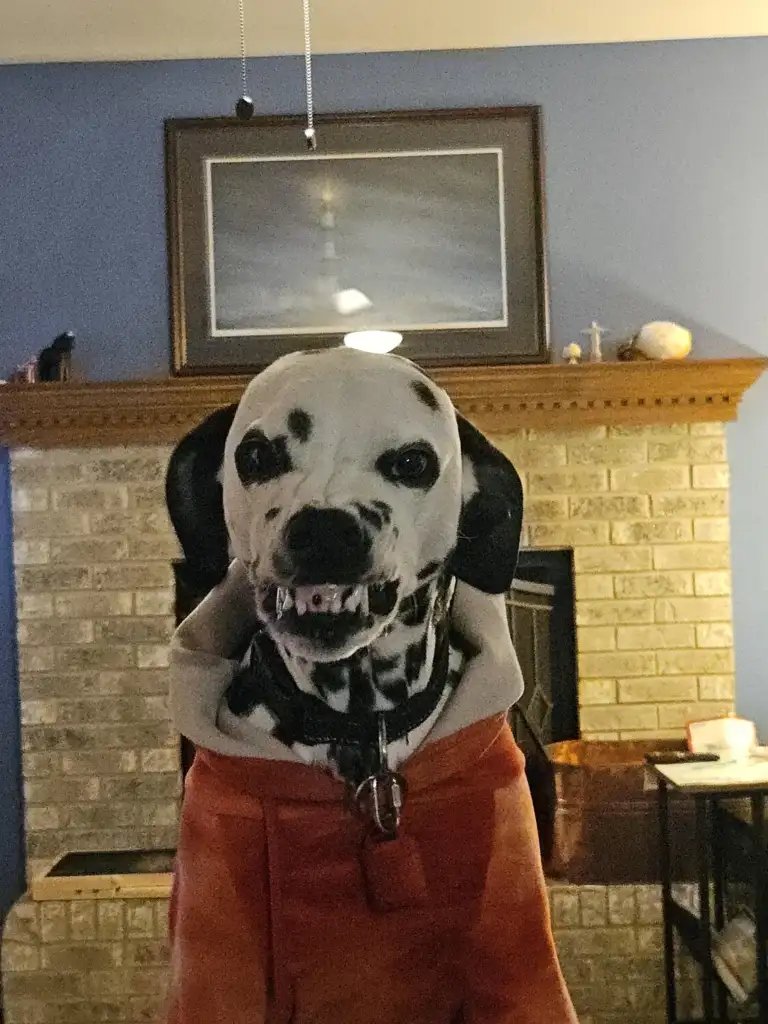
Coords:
pixel 430 223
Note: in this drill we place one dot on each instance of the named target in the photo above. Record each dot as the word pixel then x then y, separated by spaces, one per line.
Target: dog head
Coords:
pixel 348 483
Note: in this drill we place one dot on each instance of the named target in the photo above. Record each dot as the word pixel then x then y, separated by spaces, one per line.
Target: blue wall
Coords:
pixel 657 164
pixel 11 819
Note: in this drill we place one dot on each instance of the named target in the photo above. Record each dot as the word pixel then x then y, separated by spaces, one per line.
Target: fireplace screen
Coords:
pixel 540 613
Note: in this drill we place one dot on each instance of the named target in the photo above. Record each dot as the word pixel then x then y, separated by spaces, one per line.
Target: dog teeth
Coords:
pixel 327 598
pixel 283 601
pixel 355 598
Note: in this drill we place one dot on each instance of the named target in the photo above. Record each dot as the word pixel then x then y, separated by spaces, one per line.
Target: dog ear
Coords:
pixel 491 514
pixel 193 495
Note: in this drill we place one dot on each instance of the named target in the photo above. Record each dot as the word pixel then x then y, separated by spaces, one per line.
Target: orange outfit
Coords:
pixel 285 911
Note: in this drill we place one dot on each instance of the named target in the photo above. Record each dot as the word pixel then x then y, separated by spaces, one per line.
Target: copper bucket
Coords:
pixel 606 819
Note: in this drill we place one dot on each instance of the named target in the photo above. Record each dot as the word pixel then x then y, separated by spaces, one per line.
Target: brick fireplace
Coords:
pixel 643 506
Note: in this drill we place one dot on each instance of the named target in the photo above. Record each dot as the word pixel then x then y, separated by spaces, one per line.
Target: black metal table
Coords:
pixel 712 821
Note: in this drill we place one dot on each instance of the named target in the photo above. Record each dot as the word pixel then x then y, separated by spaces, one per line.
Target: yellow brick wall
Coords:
pixel 646 512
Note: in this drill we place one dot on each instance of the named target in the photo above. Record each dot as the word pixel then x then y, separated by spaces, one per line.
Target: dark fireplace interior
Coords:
pixel 541 616
pixel 540 612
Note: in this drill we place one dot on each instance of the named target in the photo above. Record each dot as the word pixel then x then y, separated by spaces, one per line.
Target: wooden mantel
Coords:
pixel 497 398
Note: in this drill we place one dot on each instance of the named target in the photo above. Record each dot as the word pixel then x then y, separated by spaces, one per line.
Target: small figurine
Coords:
pixel 595 333
pixel 659 339
pixel 572 354
pixel 55 362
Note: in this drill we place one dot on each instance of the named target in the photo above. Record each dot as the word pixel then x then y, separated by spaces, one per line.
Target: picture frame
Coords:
pixel 430 223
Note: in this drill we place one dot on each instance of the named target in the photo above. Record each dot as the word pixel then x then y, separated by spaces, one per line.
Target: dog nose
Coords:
pixel 327 545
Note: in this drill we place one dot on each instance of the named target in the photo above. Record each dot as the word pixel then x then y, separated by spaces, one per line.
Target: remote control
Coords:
pixel 679 757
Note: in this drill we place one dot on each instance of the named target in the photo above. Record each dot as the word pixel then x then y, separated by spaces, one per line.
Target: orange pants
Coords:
pixel 284 912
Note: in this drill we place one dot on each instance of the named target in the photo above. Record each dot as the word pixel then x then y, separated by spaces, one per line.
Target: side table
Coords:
pixel 710 785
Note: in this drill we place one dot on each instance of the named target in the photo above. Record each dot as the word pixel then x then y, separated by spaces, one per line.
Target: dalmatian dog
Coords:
pixel 353 496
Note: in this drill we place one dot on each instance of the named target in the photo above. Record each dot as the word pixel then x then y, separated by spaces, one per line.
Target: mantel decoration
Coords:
pixel 429 223
pixel 498 399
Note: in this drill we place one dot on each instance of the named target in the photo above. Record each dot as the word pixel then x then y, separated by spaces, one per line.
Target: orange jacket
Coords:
pixel 284 911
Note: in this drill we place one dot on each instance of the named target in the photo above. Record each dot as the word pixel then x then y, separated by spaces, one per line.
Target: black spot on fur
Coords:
pixel 271 514
pixel 382 597
pixel 361 694
pixel 384 665
pixel 330 677
pixel 454 678
pixel 285 733
pixel 259 459
pixel 415 656
pixel 384 509
pixel 414 609
pixel 423 391
pixel 397 693
pixel 242 695
pixel 300 424
pixel 430 569
pixel 369 515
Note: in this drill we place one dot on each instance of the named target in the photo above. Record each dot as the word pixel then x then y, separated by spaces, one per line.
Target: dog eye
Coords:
pixel 415 465
pixel 259 459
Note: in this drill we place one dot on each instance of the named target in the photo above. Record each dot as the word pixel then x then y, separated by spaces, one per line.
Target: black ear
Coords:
pixel 193 495
pixel 491 515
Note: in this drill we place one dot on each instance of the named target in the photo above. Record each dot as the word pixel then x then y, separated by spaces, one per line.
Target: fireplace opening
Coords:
pixel 540 613
pixel 542 623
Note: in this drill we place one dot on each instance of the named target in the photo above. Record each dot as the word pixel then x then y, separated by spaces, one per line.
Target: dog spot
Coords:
pixel 362 697
pixel 414 609
pixel 300 424
pixel 430 569
pixel 369 515
pixel 415 656
pixel 384 510
pixel 259 459
pixel 242 695
pixel 330 677
pixel 271 514
pixel 385 665
pixel 397 693
pixel 424 392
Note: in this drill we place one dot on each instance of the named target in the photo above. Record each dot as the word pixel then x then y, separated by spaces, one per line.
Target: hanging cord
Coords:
pixel 309 131
pixel 245 107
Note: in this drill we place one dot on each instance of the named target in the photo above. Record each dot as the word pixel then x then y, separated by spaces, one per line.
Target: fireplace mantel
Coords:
pixel 496 398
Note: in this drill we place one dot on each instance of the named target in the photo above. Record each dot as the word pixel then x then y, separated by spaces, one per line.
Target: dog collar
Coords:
pixel 310 721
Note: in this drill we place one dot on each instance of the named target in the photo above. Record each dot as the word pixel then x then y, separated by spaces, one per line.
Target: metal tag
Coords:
pixel 380 799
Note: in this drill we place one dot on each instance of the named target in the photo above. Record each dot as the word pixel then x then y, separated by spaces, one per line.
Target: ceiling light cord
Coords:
pixel 245 106
pixel 309 131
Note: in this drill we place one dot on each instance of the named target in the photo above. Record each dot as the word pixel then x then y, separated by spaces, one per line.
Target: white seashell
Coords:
pixel 663 340
pixel 572 353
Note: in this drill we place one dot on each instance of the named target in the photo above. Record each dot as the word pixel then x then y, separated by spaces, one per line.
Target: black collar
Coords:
pixel 309 720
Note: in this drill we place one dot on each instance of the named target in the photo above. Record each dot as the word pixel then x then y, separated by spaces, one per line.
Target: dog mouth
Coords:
pixel 325 599
pixel 328 614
